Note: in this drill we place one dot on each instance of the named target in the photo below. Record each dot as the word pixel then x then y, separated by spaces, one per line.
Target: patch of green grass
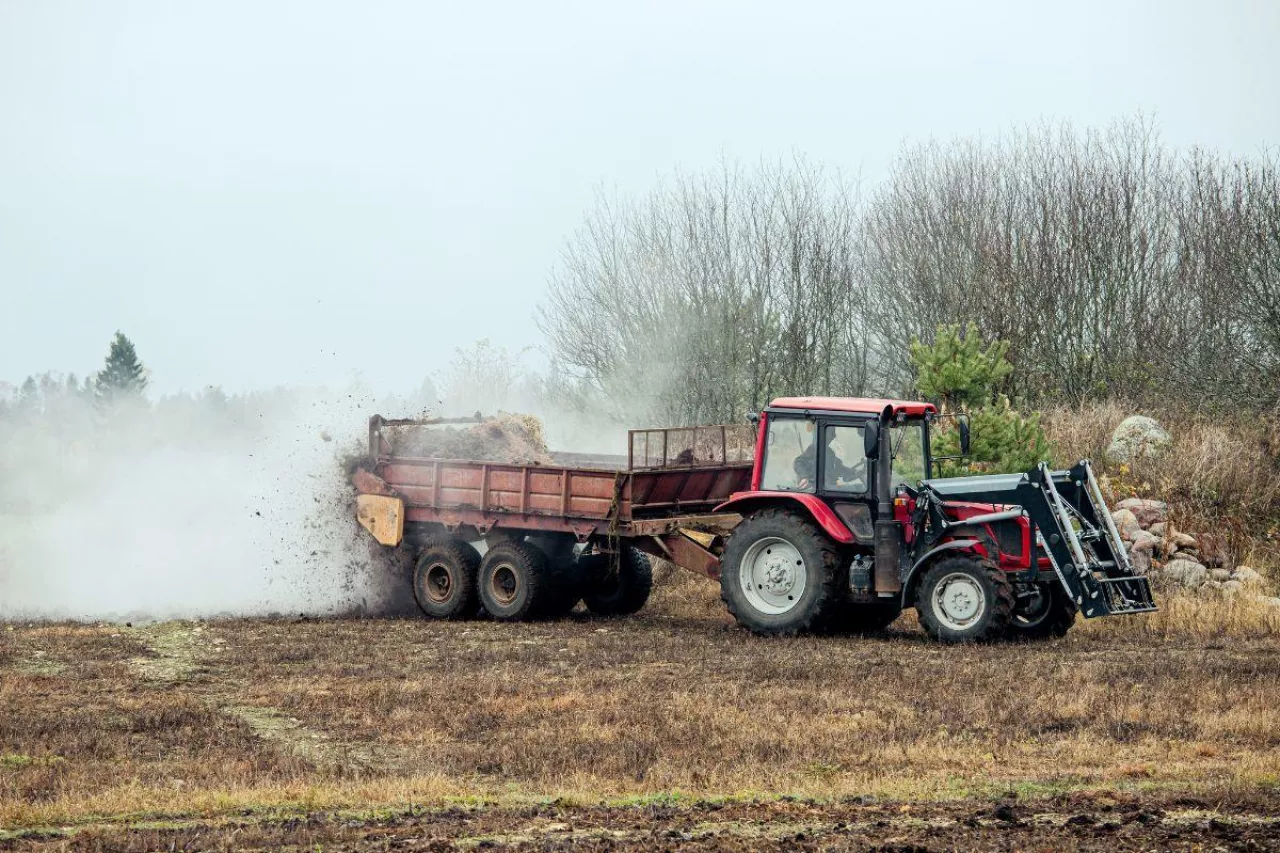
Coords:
pixel 17 761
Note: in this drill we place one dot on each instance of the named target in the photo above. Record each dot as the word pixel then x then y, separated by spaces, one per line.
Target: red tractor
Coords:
pixel 842 526
pixel 834 525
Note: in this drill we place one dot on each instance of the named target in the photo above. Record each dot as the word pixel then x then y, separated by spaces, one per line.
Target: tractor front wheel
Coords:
pixel 964 600
pixel 778 574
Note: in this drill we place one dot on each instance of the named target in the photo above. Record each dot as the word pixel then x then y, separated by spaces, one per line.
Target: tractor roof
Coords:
pixel 860 405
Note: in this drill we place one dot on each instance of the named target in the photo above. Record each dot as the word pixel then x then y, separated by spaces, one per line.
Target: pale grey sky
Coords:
pixel 265 193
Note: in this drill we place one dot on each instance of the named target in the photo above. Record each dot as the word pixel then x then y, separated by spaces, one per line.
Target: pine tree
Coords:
pixel 959 370
pixel 122 376
pixel 29 395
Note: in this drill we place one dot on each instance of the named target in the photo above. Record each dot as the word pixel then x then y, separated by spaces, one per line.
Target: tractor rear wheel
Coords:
pixel 778 574
pixel 1046 612
pixel 444 579
pixel 619 593
pixel 513 581
pixel 964 600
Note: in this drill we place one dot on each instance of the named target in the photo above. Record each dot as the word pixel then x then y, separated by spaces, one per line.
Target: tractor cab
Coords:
pixel 827 446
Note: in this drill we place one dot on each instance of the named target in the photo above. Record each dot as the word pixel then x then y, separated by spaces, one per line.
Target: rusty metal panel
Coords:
pixel 690 489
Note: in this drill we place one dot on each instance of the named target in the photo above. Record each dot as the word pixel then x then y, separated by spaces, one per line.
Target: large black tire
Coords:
pixel 1051 613
pixel 444 579
pixel 964 600
pixel 870 617
pixel 566 581
pixel 798 561
pixel 513 581
pixel 619 593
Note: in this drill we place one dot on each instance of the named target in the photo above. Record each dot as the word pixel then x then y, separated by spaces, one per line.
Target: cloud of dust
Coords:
pixel 209 506
pixel 190 507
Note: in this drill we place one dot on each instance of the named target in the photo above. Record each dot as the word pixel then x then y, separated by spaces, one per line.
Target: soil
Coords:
pixel 1084 822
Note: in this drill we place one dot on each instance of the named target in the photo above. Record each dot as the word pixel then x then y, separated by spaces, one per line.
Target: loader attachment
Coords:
pixel 1074 529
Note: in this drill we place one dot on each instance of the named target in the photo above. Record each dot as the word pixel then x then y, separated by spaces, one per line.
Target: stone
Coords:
pixel 1188 573
pixel 1184 541
pixel 1219 575
pixel 1159 528
pixel 1148 512
pixel 1246 575
pixel 1141 561
pixel 1144 541
pixel 1137 437
pixel 1232 587
pixel 1213 550
pixel 1126 523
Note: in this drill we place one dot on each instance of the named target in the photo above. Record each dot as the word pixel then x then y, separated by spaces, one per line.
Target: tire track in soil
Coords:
pixel 185 656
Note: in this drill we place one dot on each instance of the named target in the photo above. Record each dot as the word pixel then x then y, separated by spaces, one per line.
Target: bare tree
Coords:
pixel 1112 264
pixel 714 294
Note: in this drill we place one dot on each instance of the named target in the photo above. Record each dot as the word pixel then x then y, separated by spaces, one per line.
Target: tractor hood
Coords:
pixel 987 488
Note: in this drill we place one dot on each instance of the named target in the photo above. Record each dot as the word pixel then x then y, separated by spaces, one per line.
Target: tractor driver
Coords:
pixel 836 474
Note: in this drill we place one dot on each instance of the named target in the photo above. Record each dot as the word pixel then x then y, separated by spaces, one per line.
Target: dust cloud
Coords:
pixel 191 507
pixel 207 506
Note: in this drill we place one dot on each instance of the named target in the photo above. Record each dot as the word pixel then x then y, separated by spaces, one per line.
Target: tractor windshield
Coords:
pixel 909 463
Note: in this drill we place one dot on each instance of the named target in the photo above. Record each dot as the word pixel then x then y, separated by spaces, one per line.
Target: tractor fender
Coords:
pixel 909 582
pixel 745 502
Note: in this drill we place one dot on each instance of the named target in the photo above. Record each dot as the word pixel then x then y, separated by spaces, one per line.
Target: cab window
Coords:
pixel 908 453
pixel 844 468
pixel 788 459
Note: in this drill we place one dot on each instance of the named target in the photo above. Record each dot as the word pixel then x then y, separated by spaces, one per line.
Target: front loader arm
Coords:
pixel 1075 531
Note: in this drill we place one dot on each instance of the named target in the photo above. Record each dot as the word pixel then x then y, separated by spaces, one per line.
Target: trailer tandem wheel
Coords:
pixel 566 578
pixel 513 581
pixel 618 593
pixel 444 578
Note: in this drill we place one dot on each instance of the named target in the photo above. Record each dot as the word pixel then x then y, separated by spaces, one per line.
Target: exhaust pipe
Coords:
pixel 888 539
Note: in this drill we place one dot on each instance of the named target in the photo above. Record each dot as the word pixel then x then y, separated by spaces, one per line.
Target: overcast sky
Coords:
pixel 265 193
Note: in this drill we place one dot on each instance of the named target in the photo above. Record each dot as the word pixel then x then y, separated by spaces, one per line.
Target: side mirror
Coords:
pixel 963 424
pixel 871 439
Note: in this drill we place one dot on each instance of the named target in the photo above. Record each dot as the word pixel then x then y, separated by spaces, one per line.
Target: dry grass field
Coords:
pixel 672 729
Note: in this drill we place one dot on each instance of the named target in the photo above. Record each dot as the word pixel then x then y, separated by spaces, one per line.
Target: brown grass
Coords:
pixel 1221 474
pixel 348 713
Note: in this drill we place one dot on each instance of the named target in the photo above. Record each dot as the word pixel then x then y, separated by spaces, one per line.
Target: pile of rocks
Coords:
pixel 1166 554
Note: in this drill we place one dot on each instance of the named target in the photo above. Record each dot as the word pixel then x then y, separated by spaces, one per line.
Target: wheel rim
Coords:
pixel 504 584
pixel 959 601
pixel 439 585
pixel 1035 611
pixel 773 576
